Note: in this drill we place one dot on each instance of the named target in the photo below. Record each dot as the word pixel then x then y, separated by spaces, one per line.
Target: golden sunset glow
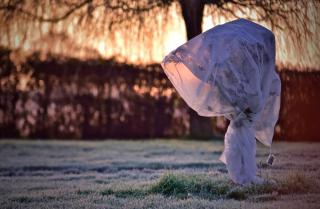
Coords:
pixel 150 45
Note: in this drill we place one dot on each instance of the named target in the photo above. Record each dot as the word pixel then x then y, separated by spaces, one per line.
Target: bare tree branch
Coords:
pixel 73 8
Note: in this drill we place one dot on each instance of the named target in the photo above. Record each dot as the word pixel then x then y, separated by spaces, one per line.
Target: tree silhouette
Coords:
pixel 291 15
pixel 297 18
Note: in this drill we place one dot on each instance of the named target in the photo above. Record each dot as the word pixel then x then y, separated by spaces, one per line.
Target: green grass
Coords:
pixel 183 186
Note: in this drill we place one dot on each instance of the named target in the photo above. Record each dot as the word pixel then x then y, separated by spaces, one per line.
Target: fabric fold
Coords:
pixel 228 69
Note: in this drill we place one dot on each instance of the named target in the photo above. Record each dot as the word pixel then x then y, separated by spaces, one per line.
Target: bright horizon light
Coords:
pixel 71 40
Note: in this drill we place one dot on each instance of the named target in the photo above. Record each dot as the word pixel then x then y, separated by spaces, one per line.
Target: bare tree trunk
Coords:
pixel 192 12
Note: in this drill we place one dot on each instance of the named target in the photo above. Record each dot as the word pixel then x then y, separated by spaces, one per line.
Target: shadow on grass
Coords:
pixel 27 199
pixel 184 186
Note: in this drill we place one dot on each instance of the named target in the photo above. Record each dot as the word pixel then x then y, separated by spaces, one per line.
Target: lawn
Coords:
pixel 151 174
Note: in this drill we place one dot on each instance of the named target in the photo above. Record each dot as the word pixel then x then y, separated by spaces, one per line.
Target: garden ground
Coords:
pixel 151 174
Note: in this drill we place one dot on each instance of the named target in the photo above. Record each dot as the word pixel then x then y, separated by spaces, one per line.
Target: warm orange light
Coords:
pixel 69 39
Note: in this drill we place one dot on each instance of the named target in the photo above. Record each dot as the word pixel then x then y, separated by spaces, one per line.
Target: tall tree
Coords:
pixel 299 19
pixel 192 12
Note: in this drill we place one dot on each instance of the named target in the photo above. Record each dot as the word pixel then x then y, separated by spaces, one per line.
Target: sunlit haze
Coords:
pixel 150 46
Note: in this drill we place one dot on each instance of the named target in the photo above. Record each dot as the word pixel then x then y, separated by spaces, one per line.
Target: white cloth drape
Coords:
pixel 223 72
pixel 239 151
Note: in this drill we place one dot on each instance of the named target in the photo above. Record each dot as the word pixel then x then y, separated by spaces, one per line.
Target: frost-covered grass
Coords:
pixel 184 186
pixel 151 174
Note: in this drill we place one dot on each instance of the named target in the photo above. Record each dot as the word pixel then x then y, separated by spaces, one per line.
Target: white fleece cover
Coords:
pixel 224 71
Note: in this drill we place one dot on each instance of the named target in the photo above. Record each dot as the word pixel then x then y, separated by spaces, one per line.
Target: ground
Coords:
pixel 151 174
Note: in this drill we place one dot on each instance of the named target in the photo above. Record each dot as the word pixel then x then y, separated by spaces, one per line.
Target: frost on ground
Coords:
pixel 151 174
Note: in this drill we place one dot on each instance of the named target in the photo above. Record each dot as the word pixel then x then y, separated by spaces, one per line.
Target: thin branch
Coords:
pixel 44 19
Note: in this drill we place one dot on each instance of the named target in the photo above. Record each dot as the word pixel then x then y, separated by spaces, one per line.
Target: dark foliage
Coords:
pixel 69 98
pixel 86 99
